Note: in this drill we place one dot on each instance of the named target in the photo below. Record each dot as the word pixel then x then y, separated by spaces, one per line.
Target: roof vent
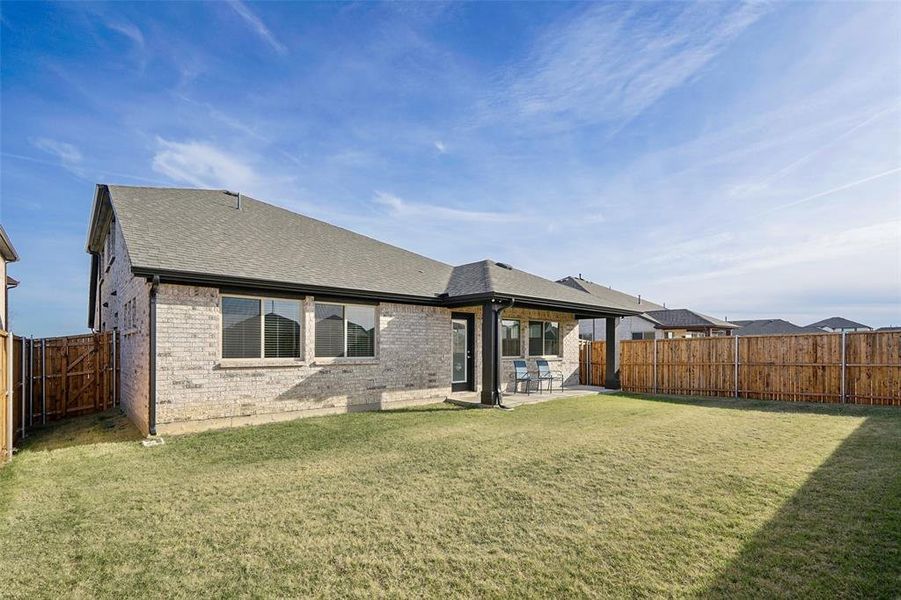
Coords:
pixel 505 266
pixel 237 196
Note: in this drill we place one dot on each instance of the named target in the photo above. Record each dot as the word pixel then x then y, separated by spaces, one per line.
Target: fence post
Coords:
pixel 31 382
pixel 655 363
pixel 736 366
pixel 22 398
pixel 10 394
pixel 844 365
pixel 43 381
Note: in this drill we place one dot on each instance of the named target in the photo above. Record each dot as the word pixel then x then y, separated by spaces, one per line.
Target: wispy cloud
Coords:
pixel 126 28
pixel 203 165
pixel 603 66
pixel 68 155
pixel 257 25
pixel 401 208
pixel 840 188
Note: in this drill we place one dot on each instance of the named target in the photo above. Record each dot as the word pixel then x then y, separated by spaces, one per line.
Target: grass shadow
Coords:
pixel 107 427
pixel 768 406
pixel 839 535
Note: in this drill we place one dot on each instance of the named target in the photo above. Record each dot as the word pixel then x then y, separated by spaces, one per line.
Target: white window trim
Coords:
pixel 544 353
pixel 346 358
pixel 243 362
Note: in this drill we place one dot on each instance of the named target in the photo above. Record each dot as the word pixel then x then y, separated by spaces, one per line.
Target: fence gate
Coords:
pixel 592 365
pixel 62 377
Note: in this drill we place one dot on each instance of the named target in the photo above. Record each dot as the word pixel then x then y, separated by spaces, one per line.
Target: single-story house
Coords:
pixel 840 325
pixel 232 311
pixel 636 327
pixel 770 327
pixel 653 321
pixel 7 255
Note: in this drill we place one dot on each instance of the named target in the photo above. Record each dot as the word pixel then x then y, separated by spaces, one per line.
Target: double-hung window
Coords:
pixel 544 338
pixel 260 327
pixel 510 340
pixel 345 330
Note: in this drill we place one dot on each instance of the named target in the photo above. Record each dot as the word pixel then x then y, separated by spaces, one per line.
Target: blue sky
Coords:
pixel 740 159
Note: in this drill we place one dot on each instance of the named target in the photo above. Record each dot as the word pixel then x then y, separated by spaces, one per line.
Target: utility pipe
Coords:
pixel 151 424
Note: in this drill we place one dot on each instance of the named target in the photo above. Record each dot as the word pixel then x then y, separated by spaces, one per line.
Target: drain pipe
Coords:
pixel 151 400
pixel 497 356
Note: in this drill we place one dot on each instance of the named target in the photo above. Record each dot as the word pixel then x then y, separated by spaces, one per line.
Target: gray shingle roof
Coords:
pixel 682 317
pixel 771 327
pixel 839 323
pixel 610 295
pixel 504 280
pixel 202 232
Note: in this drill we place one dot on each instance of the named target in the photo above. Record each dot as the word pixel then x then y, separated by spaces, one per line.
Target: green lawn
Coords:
pixel 592 496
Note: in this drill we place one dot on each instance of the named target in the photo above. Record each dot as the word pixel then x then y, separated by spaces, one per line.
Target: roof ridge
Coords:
pixel 486 265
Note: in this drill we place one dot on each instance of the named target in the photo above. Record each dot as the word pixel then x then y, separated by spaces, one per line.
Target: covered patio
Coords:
pixel 512 400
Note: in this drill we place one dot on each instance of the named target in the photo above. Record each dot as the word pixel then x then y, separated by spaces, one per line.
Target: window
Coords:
pixel 642 335
pixel 510 345
pixel 544 338
pixel 260 328
pixel 345 330
pixel 131 315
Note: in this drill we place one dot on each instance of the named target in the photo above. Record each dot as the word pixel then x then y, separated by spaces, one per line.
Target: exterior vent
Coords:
pixel 237 196
pixel 505 266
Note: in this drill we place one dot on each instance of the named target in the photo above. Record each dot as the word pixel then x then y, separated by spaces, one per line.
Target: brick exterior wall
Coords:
pixel 194 385
pixel 134 328
pixel 196 389
pixel 568 360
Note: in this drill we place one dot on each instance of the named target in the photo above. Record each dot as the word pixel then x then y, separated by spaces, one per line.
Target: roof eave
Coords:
pixel 100 208
pixel 214 280
pixel 585 311
pixel 7 250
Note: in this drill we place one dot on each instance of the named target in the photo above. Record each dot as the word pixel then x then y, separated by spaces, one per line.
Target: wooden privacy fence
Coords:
pixel 62 377
pixel 6 396
pixel 592 357
pixel 857 368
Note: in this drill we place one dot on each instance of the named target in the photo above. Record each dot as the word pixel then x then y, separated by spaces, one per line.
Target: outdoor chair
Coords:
pixel 545 373
pixel 521 375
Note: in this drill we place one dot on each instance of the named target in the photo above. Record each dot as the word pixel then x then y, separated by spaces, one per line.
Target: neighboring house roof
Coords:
pixel 609 294
pixel 839 323
pixel 662 317
pixel 199 236
pixel 682 318
pixel 771 327
pixel 7 251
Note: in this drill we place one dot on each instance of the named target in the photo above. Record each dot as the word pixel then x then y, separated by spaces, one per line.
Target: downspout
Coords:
pixel 497 356
pixel 151 401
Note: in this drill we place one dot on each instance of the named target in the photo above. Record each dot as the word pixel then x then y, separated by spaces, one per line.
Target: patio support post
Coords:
pixel 491 351
pixel 612 349
pixel 489 354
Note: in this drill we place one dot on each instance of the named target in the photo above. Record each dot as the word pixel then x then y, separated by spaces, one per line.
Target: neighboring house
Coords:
pixel 840 325
pixel 234 311
pixel 770 327
pixel 684 323
pixel 636 327
pixel 7 255
pixel 654 321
